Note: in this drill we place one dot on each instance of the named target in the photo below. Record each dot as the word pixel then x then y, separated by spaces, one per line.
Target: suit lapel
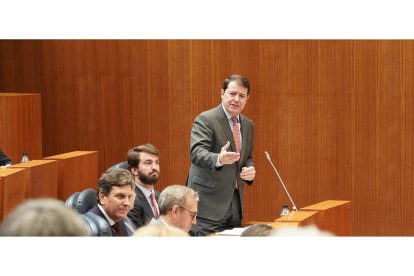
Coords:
pixel 244 138
pixel 145 204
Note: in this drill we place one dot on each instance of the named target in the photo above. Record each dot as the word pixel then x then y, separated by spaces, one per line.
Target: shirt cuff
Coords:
pixel 218 164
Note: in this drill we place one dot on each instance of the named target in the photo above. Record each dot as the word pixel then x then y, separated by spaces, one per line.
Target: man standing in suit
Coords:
pixel 115 196
pixel 144 164
pixel 221 158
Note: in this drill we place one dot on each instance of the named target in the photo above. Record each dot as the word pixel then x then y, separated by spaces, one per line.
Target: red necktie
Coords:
pixel 118 230
pixel 154 205
pixel 236 136
pixel 236 133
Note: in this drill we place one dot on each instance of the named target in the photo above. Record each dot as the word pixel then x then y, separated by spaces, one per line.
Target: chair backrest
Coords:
pixel 83 201
pixel 96 226
pixel 121 165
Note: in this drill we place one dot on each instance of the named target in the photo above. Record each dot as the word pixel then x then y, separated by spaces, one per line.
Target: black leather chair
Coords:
pixel 96 226
pixel 121 165
pixel 82 202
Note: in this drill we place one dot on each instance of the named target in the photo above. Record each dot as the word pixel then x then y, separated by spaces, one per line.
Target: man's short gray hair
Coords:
pixel 175 195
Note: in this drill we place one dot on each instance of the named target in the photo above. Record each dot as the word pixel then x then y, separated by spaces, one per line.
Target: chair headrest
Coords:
pixel 83 201
pixel 70 202
pixel 122 165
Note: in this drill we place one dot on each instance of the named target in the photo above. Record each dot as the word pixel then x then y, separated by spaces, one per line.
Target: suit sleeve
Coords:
pixel 202 139
pixel 249 160
pixel 4 159
pixel 137 216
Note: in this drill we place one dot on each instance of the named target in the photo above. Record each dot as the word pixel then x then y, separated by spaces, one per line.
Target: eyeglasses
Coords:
pixel 194 214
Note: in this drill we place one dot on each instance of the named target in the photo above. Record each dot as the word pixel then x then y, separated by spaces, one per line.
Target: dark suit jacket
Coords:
pixel 125 229
pixel 211 131
pixel 142 213
pixel 4 159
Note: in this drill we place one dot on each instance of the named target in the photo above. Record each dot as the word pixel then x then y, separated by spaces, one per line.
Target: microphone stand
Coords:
pixel 281 181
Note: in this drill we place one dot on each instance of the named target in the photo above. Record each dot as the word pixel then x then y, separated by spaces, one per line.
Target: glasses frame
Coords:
pixel 194 214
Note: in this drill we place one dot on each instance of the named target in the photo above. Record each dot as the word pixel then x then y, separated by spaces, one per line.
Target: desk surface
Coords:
pixel 69 154
pixel 325 205
pixel 297 216
pixel 31 163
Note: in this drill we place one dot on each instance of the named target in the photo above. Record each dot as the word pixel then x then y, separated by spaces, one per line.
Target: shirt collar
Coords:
pixel 228 115
pixel 111 221
pixel 146 192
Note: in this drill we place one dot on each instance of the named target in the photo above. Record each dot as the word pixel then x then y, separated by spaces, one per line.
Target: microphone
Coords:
pixel 281 181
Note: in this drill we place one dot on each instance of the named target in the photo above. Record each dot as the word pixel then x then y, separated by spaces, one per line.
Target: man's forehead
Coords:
pixel 148 156
pixel 125 189
pixel 234 86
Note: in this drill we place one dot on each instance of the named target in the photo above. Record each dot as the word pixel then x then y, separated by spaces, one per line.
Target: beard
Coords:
pixel 150 180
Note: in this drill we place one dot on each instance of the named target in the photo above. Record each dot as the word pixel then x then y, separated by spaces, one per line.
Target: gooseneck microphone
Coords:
pixel 281 181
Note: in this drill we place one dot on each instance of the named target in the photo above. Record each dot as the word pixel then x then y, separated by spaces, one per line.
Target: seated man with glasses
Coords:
pixel 178 207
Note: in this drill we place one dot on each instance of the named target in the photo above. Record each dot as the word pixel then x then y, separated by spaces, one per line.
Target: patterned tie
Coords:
pixel 154 205
pixel 236 133
pixel 118 230
pixel 236 136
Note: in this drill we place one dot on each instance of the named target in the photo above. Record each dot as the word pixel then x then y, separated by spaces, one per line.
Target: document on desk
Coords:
pixel 232 232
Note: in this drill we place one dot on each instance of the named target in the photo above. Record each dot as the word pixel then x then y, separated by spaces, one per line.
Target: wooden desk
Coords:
pixel 334 216
pixel 43 175
pixel 302 218
pixel 78 170
pixel 12 189
pixel 277 224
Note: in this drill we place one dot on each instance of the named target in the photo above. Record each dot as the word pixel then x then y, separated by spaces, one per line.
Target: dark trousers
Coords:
pixel 231 219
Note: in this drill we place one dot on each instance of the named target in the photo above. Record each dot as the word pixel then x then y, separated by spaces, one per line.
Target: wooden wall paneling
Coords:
pixel 7 58
pixel 343 121
pixel 108 102
pixel 407 166
pixel 20 125
pixel 49 94
pixel 291 124
pixel 87 96
pixel 158 104
pixel 136 107
pixel 390 135
pixel 366 193
pixel 324 144
pixel 180 118
pixel 314 112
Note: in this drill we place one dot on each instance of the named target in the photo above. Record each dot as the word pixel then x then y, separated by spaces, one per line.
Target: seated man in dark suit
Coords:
pixel 115 197
pixel 144 164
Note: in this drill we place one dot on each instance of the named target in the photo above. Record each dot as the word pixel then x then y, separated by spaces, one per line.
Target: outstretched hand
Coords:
pixel 228 157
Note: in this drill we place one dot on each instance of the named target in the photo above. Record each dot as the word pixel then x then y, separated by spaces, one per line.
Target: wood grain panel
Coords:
pixel 335 116
pixel 77 171
pixel 407 145
pixel 13 183
pixel 43 178
pixel 21 125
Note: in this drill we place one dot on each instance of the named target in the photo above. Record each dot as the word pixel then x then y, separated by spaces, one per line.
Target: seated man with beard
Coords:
pixel 144 164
